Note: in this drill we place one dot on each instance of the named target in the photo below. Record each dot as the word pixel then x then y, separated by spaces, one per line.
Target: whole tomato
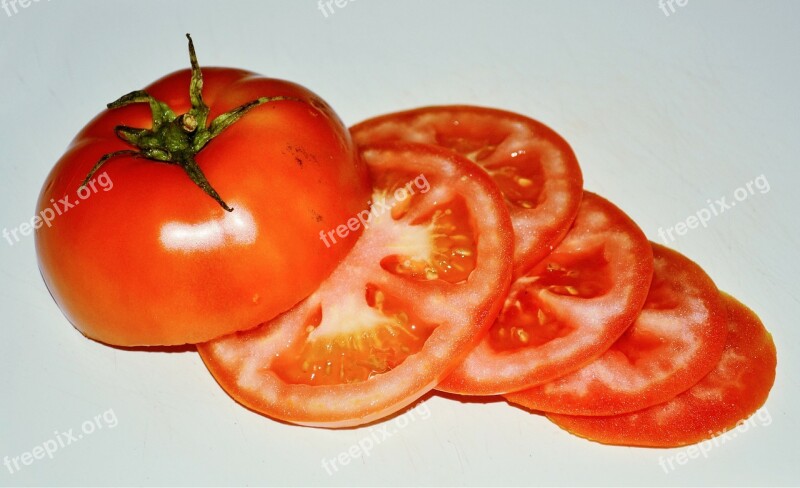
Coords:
pixel 194 208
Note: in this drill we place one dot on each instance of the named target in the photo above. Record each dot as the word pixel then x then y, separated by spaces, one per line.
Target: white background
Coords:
pixel 664 113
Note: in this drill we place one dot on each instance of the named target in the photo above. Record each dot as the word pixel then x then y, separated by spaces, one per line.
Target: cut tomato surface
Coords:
pixel 677 339
pixel 535 168
pixel 731 392
pixel 568 310
pixel 420 287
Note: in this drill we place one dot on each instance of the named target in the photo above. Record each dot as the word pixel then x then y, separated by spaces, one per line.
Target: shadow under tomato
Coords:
pixel 489 399
pixel 168 349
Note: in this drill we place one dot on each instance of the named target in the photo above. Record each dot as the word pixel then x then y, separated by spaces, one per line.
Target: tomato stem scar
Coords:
pixel 177 139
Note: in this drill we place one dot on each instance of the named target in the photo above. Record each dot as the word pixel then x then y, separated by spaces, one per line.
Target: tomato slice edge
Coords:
pixel 640 369
pixel 536 229
pixel 234 360
pixel 489 372
pixel 709 408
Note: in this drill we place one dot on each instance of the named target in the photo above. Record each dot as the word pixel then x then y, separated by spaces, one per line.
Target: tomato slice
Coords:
pixel 420 287
pixel 535 168
pixel 677 339
pixel 567 310
pixel 734 390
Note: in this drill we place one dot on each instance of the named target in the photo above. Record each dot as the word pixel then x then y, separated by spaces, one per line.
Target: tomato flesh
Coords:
pixel 378 342
pixel 567 310
pixel 406 305
pixel 388 331
pixel 534 167
pixel 677 339
pixel 452 253
pixel 735 389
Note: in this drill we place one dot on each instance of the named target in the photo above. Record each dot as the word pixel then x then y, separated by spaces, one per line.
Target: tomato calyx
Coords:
pixel 177 139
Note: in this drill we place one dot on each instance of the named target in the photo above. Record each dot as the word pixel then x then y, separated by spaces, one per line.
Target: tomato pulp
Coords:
pixel 677 339
pixel 417 291
pixel 567 310
pixel 534 167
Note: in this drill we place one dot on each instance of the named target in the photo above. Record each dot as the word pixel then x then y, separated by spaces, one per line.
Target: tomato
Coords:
pixel 737 387
pixel 567 310
pixel 152 255
pixel 534 167
pixel 420 287
pixel 677 339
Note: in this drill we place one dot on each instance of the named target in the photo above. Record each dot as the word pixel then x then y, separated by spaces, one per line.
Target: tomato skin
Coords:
pixel 153 260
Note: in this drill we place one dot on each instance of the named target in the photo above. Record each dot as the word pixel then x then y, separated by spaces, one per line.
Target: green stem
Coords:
pixel 177 139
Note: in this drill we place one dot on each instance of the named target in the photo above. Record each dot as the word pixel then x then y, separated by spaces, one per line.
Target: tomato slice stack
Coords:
pixel 676 340
pixel 620 341
pixel 533 166
pixel 734 390
pixel 568 310
pixel 418 289
pixel 484 268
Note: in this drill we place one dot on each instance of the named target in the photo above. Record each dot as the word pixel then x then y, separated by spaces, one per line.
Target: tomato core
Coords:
pixel 451 254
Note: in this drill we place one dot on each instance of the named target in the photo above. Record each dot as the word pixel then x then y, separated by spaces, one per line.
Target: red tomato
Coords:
pixel 677 339
pixel 422 284
pixel 534 167
pixel 567 310
pixel 733 391
pixel 150 258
